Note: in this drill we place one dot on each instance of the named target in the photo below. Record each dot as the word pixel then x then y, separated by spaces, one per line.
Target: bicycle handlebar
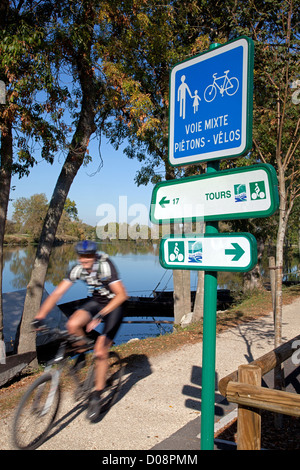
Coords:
pixel 65 335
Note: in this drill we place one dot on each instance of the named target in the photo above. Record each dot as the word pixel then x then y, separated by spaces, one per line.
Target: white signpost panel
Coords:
pixel 218 252
pixel 225 195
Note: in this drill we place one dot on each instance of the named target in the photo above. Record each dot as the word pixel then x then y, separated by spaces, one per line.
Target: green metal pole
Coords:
pixel 209 345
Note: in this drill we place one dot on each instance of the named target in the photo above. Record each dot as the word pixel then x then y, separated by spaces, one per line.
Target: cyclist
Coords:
pixel 108 295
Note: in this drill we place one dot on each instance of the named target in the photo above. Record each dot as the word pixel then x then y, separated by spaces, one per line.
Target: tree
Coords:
pixel 276 116
pixel 71 209
pixel 73 34
pixel 24 69
pixel 147 39
pixel 144 40
pixel 72 39
pixel 286 122
pixel 29 214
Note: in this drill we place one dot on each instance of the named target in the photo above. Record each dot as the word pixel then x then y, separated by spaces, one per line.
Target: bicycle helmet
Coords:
pixel 86 247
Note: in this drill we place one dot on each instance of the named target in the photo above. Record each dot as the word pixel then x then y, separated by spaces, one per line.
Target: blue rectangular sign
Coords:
pixel 211 104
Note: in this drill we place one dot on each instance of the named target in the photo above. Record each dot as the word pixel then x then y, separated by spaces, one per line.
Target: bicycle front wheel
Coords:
pixel 232 86
pixel 36 413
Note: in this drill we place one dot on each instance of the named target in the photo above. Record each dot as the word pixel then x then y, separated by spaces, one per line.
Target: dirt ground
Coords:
pixel 285 438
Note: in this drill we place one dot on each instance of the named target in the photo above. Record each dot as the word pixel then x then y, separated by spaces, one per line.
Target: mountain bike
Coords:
pixel 224 84
pixel 37 410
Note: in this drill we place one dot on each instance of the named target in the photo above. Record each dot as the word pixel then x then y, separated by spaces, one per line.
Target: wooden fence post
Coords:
pixel 249 419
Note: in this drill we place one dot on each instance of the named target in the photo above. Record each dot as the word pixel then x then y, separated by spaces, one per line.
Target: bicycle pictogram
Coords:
pixel 224 84
pixel 257 190
pixel 177 253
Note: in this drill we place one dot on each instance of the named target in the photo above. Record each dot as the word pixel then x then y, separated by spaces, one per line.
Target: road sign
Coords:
pixel 211 104
pixel 209 252
pixel 226 195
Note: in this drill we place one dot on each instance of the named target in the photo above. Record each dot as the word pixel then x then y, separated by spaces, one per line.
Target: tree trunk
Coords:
pixel 182 294
pixel 272 268
pixel 5 179
pixel 70 168
pixel 278 371
pixel 199 299
pixel 182 290
pixel 253 278
pixel 284 213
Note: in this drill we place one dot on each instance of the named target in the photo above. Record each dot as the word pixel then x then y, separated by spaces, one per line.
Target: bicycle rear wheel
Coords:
pixel 36 413
pixel 114 378
pixel 210 93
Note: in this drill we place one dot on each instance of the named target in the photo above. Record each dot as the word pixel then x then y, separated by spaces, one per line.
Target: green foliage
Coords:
pixel 127 49
pixel 143 41
pixel 34 97
pixel 29 214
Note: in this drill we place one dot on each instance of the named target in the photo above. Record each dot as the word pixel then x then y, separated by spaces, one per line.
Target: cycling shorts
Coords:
pixel 111 321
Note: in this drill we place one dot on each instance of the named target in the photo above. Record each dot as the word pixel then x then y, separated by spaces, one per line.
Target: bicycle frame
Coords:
pixel 60 359
pixel 54 384
pixel 225 82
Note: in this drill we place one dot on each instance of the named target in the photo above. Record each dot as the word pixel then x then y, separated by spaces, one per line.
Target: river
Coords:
pixel 138 266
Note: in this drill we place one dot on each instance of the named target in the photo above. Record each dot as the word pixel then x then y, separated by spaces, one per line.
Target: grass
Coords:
pixel 251 307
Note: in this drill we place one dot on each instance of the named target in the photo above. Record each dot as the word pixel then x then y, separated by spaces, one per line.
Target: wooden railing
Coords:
pixel 243 387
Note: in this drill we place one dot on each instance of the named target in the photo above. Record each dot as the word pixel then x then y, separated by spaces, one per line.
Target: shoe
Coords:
pixel 94 407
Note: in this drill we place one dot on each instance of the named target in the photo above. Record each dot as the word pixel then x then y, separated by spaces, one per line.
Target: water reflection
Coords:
pixel 139 268
pixel 137 262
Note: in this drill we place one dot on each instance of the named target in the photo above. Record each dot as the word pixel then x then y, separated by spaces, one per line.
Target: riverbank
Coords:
pixel 252 307
pixel 21 240
pixel 162 383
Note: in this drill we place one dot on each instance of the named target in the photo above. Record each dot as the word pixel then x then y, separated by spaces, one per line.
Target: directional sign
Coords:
pixel 226 195
pixel 211 104
pixel 209 252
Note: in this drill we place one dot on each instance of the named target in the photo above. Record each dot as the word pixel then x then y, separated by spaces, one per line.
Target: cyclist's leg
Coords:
pixel 101 361
pixel 78 321
pixel 101 350
pixel 81 318
pixel 112 322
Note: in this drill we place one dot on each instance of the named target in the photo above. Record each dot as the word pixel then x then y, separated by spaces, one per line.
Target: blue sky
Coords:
pixel 109 195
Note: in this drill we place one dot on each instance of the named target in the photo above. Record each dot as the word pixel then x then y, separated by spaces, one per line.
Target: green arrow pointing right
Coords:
pixel 237 252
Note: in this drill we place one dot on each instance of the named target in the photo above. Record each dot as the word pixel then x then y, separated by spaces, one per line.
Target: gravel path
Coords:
pixel 161 394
